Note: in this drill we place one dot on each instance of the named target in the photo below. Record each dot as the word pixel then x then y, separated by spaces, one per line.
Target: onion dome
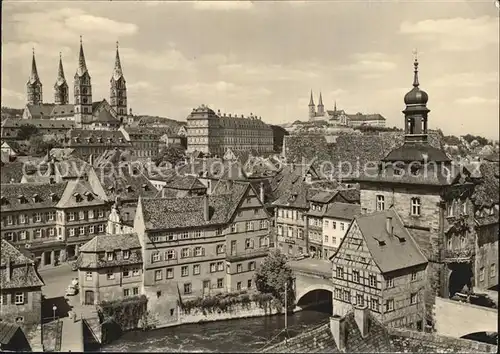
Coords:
pixel 416 96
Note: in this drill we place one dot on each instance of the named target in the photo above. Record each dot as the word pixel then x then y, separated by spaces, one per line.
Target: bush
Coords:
pixel 125 312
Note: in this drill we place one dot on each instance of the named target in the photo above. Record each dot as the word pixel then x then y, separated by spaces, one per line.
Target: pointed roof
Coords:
pixel 311 101
pixel 320 103
pixel 82 66
pixel 117 72
pixel 60 73
pixel 34 72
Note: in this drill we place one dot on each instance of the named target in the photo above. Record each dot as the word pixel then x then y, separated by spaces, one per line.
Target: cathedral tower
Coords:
pixel 312 107
pixel 83 91
pixel 34 85
pixel 321 107
pixel 118 90
pixel 61 90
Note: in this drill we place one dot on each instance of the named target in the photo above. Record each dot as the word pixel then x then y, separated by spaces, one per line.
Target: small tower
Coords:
pixel 321 107
pixel 83 91
pixel 312 107
pixel 61 90
pixel 34 85
pixel 118 90
pixel 416 110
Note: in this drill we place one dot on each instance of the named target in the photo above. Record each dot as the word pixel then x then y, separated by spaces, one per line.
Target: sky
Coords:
pixel 265 57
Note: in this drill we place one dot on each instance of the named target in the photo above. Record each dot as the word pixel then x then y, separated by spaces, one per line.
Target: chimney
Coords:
pixel 206 208
pixel 9 270
pixel 262 192
pixel 388 225
pixel 361 316
pixel 337 327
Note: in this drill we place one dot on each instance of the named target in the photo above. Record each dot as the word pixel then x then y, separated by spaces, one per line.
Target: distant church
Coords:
pixel 84 112
pixel 339 117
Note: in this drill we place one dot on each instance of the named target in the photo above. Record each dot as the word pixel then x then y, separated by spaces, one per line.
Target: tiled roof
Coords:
pixel 7 332
pixel 388 252
pixel 486 192
pixel 50 110
pixel 416 152
pixel 365 117
pixel 351 195
pixel 125 183
pixel 343 211
pixel 61 153
pixel 214 168
pixel 79 188
pixel 39 123
pixel 48 195
pixel 144 131
pixel 164 214
pixel 289 175
pixel 86 137
pixel 296 196
pixel 11 172
pixel 322 196
pixel 185 183
pixel 104 116
pixel 112 156
pixel 90 252
pixel 23 272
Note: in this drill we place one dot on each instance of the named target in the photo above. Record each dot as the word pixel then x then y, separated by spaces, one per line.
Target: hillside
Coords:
pixel 145 120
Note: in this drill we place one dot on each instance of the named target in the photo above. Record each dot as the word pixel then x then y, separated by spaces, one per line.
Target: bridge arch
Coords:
pixel 302 292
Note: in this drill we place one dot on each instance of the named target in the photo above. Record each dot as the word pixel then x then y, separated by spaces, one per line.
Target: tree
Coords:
pixel 25 132
pixel 273 275
pixel 39 146
pixel 172 154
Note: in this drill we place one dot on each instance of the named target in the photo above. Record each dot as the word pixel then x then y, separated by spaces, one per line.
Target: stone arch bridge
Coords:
pixel 310 275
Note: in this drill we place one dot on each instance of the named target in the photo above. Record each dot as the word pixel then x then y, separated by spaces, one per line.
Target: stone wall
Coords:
pixel 486 257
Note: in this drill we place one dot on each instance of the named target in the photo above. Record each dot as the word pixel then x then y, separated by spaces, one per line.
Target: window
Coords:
pixel 110 275
pixel 101 228
pixel 493 270
pixel 155 257
pixel 334 225
pixel 238 285
pixel 91 214
pixel 38 217
pixel 10 220
pixel 220 249
pixel 135 291
pixel 373 280
pixel 263 224
pixel 213 267
pixel 249 283
pixel 340 272
pixel 52 232
pixel 234 228
pixel 413 298
pixel 289 232
pixel 341 226
pixel 249 226
pixel 38 233
pixel 158 274
pixel 19 298
pixel 185 253
pixel 8 236
pixel 415 206
pixel 347 296
pixel 170 273
pixel 327 223
pixel 81 215
pixel 187 288
pixel 71 216
pixel 220 283
pixel 196 269
pixel 91 229
pixel 389 305
pixel 326 238
pixel 360 299
pixel 88 275
pixel 184 271
pixel 3 299
pixel 22 219
pixel 355 276
pixel 198 251
pixel 170 254
pixel 413 276
pixel 481 274
pixel 374 304
pixel 22 235
pixel 251 265
pixel 239 268
pixel 220 266
pixel 82 230
pixel 248 243
pixel 101 213
pixel 280 230
pixel 126 292
pixel 126 254
pixel 389 283
pixel 136 272
pixel 380 202
pixel 450 208
pixel 126 273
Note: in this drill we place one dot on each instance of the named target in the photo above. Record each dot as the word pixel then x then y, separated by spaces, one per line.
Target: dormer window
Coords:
pixel 36 198
pixel 126 254
pixel 111 188
pixel 110 256
pixel 4 201
pixel 145 187
pixel 99 140
pixel 128 188
pixel 53 197
pixel 78 197
pixel 22 199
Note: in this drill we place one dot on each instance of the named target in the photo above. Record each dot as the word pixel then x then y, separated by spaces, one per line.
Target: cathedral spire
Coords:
pixel 320 102
pixel 60 72
pixel 34 72
pixel 117 72
pixel 82 66
pixel 311 100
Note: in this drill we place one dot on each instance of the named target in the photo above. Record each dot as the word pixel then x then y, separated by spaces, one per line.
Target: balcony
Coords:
pixel 248 254
pixel 462 255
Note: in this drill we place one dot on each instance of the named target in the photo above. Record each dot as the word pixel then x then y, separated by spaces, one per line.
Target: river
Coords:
pixel 241 335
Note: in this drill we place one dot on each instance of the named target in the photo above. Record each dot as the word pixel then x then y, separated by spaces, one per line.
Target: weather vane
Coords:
pixel 415 54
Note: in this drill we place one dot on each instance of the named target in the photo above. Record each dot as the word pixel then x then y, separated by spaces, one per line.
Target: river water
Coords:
pixel 241 335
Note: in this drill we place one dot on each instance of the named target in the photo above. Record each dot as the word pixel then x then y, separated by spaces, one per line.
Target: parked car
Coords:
pixel 71 290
